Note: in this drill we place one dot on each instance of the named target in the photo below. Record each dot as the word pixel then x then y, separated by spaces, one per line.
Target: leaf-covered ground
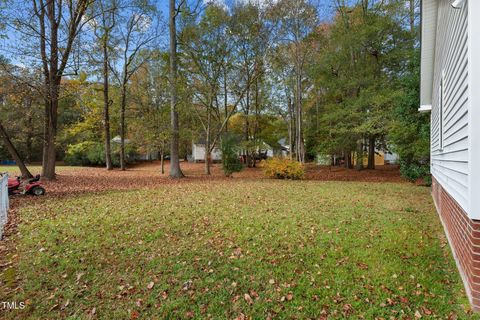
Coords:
pixel 147 175
pixel 237 248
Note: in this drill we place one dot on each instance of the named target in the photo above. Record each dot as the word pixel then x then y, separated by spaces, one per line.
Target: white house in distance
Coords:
pixel 450 89
pixel 198 152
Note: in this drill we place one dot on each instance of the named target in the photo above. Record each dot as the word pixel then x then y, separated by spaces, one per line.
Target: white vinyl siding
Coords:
pixel 450 143
pixel 441 116
pixel 198 153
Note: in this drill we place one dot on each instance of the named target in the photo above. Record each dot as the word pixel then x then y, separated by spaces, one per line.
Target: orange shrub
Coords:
pixel 282 168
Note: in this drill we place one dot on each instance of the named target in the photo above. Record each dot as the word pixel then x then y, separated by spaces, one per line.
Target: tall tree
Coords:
pixel 222 73
pixel 137 31
pixel 206 55
pixel 252 37
pixel 150 126
pixel 14 153
pixel 56 25
pixel 103 25
pixel 357 76
pixel 175 171
pixel 297 20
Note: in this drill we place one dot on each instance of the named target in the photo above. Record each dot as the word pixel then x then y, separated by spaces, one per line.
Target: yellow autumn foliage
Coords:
pixel 283 168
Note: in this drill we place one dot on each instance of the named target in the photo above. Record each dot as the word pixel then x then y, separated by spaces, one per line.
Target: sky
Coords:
pixel 8 44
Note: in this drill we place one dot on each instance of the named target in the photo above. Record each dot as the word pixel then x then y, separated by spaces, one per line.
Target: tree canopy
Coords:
pixel 341 82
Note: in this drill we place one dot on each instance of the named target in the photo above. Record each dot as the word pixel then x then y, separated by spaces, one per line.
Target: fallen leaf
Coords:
pixel 426 311
pixel 53 307
pixel 186 285
pixel 241 317
pixel 79 276
pixel 164 295
pixel 150 285
pixel 248 298
pixel 134 315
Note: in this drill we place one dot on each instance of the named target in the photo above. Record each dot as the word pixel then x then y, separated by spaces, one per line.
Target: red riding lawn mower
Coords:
pixel 30 187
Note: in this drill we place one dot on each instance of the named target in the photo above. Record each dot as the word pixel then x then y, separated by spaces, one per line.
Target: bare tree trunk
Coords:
pixel 123 165
pixel 106 106
pixel 162 162
pixel 255 127
pixel 14 153
pixel 412 16
pixel 52 111
pixel 225 97
pixel 207 144
pixel 247 127
pixel 175 171
pixel 359 164
pixel 52 82
pixel 45 138
pixel 207 158
pixel 298 106
pixel 290 128
pixel 371 152
pixel 300 154
pixel 53 67
pixel 51 155
pixel 30 134
pixel 348 159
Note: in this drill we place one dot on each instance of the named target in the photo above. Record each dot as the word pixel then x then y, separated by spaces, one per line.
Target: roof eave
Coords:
pixel 429 28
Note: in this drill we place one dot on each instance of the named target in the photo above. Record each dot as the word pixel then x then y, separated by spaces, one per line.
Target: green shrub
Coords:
pixel 414 171
pixel 87 153
pixel 230 159
pixel 427 180
pixel 282 168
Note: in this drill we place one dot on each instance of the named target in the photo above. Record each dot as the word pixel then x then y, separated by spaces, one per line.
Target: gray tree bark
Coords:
pixel 14 153
pixel 291 126
pixel 106 106
pixel 51 18
pixel 371 153
pixel 123 106
pixel 359 164
pixel 175 171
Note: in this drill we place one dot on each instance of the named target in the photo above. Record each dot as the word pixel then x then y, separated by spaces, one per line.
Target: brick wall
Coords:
pixel 464 237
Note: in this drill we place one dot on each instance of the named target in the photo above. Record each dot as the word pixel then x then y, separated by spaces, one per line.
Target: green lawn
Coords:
pixel 222 249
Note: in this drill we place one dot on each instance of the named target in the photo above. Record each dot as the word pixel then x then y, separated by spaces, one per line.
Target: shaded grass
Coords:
pixel 34 169
pixel 265 248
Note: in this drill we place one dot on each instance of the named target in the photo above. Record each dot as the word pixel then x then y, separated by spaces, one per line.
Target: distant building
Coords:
pixel 198 152
pixel 391 157
pixel 381 158
pixel 284 147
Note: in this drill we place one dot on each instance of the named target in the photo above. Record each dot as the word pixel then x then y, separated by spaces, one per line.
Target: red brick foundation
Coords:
pixel 464 237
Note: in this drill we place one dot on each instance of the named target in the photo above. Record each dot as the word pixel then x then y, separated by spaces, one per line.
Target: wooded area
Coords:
pixel 168 135
pixel 102 82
